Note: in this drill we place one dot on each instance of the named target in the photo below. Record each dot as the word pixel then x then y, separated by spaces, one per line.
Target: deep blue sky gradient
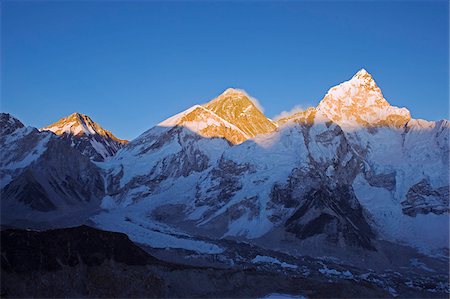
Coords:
pixel 129 65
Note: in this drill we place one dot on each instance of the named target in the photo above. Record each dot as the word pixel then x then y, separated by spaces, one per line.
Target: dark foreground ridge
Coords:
pixel 53 250
pixel 87 262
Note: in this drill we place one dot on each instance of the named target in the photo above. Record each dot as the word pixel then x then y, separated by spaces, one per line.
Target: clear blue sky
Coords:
pixel 129 65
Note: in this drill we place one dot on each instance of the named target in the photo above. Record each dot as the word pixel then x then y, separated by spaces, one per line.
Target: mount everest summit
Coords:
pixel 351 178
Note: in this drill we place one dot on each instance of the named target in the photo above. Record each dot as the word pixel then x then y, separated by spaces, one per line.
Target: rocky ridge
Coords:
pixel 87 136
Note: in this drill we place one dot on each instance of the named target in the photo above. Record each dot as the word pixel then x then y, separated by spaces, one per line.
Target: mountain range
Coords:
pixel 354 178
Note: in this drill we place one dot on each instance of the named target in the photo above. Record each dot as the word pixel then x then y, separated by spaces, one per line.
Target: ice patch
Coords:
pixel 272 260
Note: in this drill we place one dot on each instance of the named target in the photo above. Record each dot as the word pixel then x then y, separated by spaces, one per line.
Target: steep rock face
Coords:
pixel 334 214
pixel 21 146
pixel 87 136
pixel 226 176
pixel 162 154
pixel 236 107
pixel 9 124
pixel 207 124
pixel 324 201
pixel 27 190
pixel 42 173
pixel 422 198
pixel 241 183
pixel 57 179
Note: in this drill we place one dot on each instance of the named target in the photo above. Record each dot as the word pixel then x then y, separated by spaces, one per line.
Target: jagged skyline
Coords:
pixel 367 107
pixel 73 56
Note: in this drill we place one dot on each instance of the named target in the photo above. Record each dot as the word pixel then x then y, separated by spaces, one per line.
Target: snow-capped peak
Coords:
pixel 359 102
pixel 234 91
pixel 233 115
pixel 78 124
pixel 75 124
pixel 364 79
pixel 9 124
pixel 238 108
pixel 87 136
pixel 233 99
pixel 362 74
